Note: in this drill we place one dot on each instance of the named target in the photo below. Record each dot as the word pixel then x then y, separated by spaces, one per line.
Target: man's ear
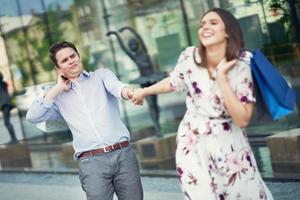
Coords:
pixel 57 68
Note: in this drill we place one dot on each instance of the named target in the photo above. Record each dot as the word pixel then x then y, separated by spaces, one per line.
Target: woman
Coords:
pixel 6 107
pixel 213 158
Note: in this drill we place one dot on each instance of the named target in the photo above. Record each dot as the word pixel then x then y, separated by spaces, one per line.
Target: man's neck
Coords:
pixel 76 78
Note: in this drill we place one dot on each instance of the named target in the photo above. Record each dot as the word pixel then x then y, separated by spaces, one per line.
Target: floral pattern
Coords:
pixel 214 159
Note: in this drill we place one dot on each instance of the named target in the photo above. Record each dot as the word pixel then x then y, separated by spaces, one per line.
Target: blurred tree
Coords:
pixel 20 58
pixel 39 43
pixel 41 46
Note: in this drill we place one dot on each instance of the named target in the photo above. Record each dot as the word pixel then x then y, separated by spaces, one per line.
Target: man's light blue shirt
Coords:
pixel 90 108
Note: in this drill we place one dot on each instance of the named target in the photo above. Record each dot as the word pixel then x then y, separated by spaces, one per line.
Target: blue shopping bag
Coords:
pixel 278 96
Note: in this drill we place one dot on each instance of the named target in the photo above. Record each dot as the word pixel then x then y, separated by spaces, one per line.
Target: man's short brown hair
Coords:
pixel 58 46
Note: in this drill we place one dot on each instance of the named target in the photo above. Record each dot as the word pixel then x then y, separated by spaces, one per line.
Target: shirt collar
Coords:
pixel 83 76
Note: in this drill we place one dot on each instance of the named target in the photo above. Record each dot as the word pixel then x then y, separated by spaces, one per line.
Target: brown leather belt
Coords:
pixel 104 149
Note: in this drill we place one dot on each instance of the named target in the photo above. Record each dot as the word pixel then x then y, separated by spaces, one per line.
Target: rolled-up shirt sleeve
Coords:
pixel 112 83
pixel 42 110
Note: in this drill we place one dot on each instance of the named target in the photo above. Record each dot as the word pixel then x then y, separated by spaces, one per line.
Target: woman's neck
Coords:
pixel 214 55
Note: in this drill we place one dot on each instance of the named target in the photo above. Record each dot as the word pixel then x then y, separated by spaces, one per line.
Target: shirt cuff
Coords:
pixel 122 87
pixel 45 103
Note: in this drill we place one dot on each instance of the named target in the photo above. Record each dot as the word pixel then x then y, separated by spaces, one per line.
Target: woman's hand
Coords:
pixel 224 66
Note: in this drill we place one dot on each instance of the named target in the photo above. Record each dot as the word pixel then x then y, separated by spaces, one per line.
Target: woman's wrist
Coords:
pixel 145 91
pixel 221 76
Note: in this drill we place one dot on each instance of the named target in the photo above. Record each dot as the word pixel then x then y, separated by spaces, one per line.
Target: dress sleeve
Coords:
pixel 177 75
pixel 244 87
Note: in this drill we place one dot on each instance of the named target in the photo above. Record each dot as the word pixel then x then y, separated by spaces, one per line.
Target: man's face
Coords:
pixel 69 63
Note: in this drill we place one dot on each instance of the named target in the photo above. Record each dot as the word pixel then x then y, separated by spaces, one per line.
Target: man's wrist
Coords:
pixel 129 93
pixel 59 87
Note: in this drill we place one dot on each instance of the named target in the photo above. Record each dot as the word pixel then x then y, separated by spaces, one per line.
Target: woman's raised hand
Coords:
pixel 224 66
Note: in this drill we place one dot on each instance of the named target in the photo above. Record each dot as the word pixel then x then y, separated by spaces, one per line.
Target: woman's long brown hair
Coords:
pixel 235 40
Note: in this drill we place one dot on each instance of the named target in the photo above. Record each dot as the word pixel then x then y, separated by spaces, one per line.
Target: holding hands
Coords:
pixel 135 95
pixel 138 96
pixel 161 87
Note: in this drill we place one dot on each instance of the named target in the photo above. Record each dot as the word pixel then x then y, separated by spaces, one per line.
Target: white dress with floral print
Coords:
pixel 213 158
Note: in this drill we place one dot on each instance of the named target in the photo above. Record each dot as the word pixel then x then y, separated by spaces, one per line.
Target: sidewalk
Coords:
pixel 35 186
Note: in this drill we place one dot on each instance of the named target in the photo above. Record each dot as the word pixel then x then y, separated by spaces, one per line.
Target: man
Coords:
pixel 87 101
pixel 6 106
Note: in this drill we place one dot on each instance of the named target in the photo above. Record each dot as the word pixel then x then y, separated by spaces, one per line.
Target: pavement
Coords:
pixel 51 186
pixel 65 185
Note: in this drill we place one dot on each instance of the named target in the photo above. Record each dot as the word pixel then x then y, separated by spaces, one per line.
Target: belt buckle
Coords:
pixel 120 145
pixel 104 149
pixel 112 148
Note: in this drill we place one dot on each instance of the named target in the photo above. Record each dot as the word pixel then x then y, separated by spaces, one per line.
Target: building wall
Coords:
pixel 160 24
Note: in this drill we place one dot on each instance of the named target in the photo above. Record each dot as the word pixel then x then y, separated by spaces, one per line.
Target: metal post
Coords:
pixel 48 30
pixel 294 19
pixel 265 19
pixel 106 20
pixel 32 70
pixel 186 23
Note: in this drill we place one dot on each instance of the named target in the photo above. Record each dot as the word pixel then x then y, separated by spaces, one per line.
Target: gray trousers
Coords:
pixel 117 172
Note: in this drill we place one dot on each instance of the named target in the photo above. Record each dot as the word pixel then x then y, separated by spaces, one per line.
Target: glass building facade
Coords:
pixel 166 27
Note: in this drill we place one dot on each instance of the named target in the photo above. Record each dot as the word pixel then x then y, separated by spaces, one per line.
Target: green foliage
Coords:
pixel 277 4
pixel 38 42
pixel 42 47
pixel 87 65
pixel 25 76
pixel 38 38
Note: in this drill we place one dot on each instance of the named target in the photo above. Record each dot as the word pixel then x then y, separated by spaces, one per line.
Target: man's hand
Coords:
pixel 138 96
pixel 130 93
pixel 63 82
pixel 61 86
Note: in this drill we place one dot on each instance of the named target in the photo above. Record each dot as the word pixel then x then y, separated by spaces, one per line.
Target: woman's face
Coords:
pixel 212 30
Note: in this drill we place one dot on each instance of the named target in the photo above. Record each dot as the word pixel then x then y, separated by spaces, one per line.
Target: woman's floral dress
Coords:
pixel 213 158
